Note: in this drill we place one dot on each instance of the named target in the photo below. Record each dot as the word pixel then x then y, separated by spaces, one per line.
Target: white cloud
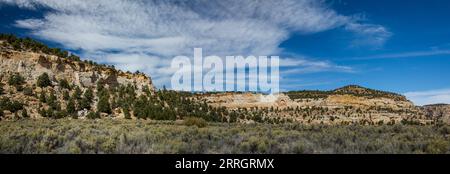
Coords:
pixel 146 33
pixel 303 66
pixel 429 97
pixel 434 52
pixel 369 34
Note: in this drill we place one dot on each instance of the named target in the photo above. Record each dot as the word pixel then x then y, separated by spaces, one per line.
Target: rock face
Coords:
pixel 82 74
pixel 31 65
pixel 437 112
pixel 349 104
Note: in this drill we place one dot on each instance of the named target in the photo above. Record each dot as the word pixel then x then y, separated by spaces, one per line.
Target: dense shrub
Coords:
pixel 16 80
pixel 1 89
pixel 70 108
pixel 63 83
pixel 44 80
pixel 93 115
pixel 12 106
pixel 143 136
pixel 28 91
pixel 103 104
pixel 193 121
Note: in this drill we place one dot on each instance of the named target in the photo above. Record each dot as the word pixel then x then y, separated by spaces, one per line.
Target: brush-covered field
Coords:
pixel 138 136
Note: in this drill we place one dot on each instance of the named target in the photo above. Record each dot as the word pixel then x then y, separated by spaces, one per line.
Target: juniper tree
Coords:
pixel 63 83
pixel 52 100
pixel 28 91
pixel 1 89
pixel 66 95
pixel 93 115
pixel 126 113
pixel 103 104
pixel 42 97
pixel 24 113
pixel 70 108
pixel 44 80
pixel 17 81
pixel 77 93
pixel 85 102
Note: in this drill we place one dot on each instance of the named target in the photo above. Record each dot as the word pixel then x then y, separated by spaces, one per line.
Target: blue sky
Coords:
pixel 390 45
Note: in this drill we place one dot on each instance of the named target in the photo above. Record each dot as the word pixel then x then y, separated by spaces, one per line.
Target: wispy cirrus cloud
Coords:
pixel 412 54
pixel 369 35
pixel 144 35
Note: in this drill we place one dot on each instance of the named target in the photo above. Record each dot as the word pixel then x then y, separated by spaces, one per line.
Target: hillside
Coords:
pixel 439 112
pixel 41 82
pixel 346 105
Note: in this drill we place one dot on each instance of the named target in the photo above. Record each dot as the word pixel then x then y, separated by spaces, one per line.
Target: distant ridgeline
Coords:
pixel 354 90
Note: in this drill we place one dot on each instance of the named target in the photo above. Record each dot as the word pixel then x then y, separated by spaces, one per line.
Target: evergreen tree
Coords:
pixel 66 95
pixel 24 113
pixel 103 104
pixel 28 91
pixel 70 108
pixel 77 93
pixel 126 113
pixel 16 80
pixel 42 97
pixel 44 81
pixel 52 100
pixel 89 95
pixel 85 102
pixel 1 89
pixel 64 84
pixel 100 86
pixel 93 115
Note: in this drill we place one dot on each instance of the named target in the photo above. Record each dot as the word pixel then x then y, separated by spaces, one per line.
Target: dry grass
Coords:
pixel 135 136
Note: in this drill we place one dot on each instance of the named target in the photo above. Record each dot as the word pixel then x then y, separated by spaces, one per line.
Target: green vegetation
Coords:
pixel 16 80
pixel 35 46
pixel 347 90
pixel 44 80
pixel 141 136
pixel 1 89
pixel 93 115
pixel 63 83
pixel 28 91
pixel 192 121
pixel 10 105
